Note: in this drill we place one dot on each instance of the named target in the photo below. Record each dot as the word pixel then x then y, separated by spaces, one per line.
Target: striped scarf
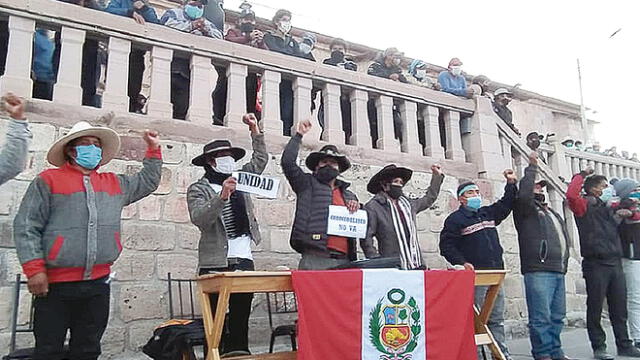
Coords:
pixel 407 236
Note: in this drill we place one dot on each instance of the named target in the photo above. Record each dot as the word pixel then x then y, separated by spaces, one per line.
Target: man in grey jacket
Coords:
pixel 227 224
pixel 392 216
pixel 13 157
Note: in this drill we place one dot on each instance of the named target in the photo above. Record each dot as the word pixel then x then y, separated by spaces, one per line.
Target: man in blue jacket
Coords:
pixel 469 238
pixel 452 81
pixel 141 12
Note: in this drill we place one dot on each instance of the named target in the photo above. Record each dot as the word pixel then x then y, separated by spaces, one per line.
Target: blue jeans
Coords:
pixel 545 294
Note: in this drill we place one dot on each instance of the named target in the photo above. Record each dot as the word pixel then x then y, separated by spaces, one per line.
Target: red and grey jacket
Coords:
pixel 68 224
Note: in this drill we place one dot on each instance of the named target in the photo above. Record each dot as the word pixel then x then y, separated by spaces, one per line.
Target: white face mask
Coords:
pixel 456 70
pixel 421 73
pixel 397 61
pixel 285 26
pixel 225 165
pixel 305 48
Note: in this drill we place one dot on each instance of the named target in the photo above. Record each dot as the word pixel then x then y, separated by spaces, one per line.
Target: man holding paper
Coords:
pixel 227 223
pixel 392 216
pixel 316 193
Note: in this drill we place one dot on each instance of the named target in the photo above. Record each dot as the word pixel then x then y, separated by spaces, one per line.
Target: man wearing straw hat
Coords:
pixel 392 216
pixel 67 235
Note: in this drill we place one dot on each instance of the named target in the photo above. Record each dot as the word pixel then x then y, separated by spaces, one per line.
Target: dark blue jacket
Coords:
pixel 43 49
pixel 125 8
pixel 471 236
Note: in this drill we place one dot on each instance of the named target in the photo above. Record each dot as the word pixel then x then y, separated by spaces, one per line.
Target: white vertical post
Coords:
pixel 410 140
pixel 360 133
pixel 67 89
pixel 386 136
pixel 301 101
pixel 202 78
pixel 115 95
pixel 17 73
pixel 160 92
pixel 271 102
pixel 236 94
pixel 454 141
pixel 333 131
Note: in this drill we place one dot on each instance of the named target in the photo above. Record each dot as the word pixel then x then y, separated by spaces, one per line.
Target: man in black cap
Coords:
pixel 315 193
pixel 544 255
pixel 533 142
pixel 227 223
pixel 392 216
pixel 470 238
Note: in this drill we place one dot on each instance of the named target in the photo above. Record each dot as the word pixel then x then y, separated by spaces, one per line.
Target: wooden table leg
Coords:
pixel 482 319
pixel 213 325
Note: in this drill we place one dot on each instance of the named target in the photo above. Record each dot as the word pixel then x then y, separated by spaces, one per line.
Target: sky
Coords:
pixel 534 43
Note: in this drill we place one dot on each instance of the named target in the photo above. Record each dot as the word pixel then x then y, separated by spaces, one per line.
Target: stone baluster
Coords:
pixel 625 172
pixel 115 94
pixel 560 163
pixel 386 137
pixel 583 163
pixel 17 73
pixel 271 119
pixel 591 164
pixel 67 89
pixel 598 168
pixel 606 170
pixel 506 153
pixel 332 115
pixel 454 149
pixel 487 150
pixel 433 147
pixel 236 95
pixel 203 76
pixel 301 101
pixel 575 165
pixel 360 132
pixel 160 92
pixel 409 115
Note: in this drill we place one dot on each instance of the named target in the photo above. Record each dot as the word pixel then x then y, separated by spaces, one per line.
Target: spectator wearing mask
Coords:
pixel 625 155
pixel 568 142
pixel 141 12
pixel 544 256
pixel 13 157
pixel 418 72
pixel 338 49
pixel 43 74
pixel 502 98
pixel 613 152
pixel 634 157
pixel 280 40
pixel 187 18
pixel 244 32
pixel 629 210
pixel 453 82
pixel 227 224
pixel 67 236
pixel 387 65
pixel 533 142
pixel 315 193
pixel 601 252
pixel 578 145
pixel 392 216
pixel 469 238
pixel 595 148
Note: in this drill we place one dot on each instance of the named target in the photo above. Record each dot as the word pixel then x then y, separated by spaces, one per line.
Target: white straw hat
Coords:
pixel 109 140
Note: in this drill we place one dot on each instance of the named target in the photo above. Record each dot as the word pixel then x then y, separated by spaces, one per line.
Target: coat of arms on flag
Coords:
pixel 394 326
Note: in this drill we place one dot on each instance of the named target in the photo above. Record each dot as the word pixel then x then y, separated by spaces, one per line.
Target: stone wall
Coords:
pixel 158 237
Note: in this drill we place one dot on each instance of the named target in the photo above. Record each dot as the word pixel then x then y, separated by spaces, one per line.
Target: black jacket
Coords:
pixel 287 45
pixel 379 69
pixel 630 231
pixel 312 204
pixel 542 247
pixel 598 229
pixel 471 236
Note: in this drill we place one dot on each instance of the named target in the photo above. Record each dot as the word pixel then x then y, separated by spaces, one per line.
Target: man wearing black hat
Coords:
pixel 533 142
pixel 544 255
pixel 315 193
pixel 392 216
pixel 227 223
pixel 470 238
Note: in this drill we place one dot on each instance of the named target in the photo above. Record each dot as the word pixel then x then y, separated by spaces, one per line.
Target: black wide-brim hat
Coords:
pixel 328 151
pixel 388 172
pixel 214 147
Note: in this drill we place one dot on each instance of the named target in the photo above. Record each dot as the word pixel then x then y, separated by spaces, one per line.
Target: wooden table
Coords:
pixel 228 283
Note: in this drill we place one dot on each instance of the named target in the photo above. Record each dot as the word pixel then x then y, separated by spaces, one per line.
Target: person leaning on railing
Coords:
pixel 141 12
pixel 188 18
pixel 453 82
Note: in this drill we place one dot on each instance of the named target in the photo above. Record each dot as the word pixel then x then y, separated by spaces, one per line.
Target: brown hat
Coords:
pixel 388 172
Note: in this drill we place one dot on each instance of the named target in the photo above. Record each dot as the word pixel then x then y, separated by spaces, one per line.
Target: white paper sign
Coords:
pixel 343 223
pixel 257 184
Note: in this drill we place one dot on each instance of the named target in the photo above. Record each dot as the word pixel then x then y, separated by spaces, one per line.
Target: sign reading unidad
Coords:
pixel 257 184
pixel 343 223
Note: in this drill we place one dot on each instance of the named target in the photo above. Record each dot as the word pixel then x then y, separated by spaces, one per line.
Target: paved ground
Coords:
pixel 574 342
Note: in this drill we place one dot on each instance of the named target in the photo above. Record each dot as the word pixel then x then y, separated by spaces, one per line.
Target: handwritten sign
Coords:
pixel 257 184
pixel 343 223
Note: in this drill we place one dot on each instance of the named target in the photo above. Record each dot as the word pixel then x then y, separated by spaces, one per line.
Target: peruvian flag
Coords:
pixel 385 314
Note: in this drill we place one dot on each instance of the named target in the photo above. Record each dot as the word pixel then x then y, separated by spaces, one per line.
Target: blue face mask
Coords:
pixel 193 12
pixel 88 156
pixel 607 194
pixel 634 195
pixel 474 202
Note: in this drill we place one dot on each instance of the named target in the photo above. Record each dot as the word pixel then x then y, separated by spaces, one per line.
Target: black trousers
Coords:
pixel 606 281
pixel 236 334
pixel 180 89
pixel 136 71
pixel 81 307
pixel 286 105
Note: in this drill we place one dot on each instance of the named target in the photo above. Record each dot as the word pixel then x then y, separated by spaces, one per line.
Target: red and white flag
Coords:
pixel 385 314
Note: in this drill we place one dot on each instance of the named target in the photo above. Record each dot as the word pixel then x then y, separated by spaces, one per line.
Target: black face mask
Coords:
pixel 337 56
pixel 539 198
pixel 326 173
pixel 247 27
pixel 534 144
pixel 395 192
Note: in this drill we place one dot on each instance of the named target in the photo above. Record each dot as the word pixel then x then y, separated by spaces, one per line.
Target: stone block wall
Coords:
pixel 158 237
